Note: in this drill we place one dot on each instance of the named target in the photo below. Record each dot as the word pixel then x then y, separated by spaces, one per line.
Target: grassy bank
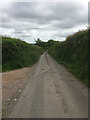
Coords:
pixel 73 53
pixel 17 54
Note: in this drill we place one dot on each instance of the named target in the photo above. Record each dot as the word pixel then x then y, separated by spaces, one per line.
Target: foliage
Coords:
pixel 73 53
pixel 17 54
pixel 45 45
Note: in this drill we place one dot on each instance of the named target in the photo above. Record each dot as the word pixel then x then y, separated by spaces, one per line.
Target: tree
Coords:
pixel 38 42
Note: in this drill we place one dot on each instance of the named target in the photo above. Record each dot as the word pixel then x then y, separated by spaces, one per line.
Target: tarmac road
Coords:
pixel 52 92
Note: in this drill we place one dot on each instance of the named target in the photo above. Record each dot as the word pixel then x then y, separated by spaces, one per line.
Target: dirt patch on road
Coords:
pixel 13 83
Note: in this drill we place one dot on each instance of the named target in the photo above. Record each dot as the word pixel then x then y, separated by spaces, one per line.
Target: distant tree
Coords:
pixel 38 42
pixel 45 45
pixel 51 43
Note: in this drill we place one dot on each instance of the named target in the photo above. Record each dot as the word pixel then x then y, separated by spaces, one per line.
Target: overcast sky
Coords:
pixel 44 20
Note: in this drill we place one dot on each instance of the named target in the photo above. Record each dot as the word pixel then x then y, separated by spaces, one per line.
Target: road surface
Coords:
pixel 52 92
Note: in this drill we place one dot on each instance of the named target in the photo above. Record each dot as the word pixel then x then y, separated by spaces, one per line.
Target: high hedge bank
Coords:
pixel 17 54
pixel 73 53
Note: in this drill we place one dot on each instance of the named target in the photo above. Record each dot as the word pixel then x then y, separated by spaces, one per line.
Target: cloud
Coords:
pixel 50 20
pixel 45 12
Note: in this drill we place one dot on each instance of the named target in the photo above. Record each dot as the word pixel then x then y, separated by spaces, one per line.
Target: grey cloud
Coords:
pixel 45 18
pixel 66 15
pixel 45 12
